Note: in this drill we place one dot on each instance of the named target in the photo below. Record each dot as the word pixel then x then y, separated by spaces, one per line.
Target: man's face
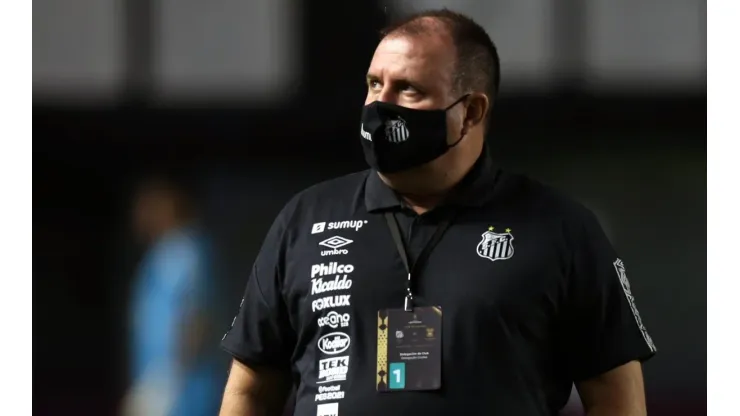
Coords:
pixel 416 71
pixel 153 211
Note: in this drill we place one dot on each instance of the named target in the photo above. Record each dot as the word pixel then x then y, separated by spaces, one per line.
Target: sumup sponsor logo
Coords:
pixel 329 393
pixel 320 227
pixel 341 225
pixel 334 343
pixel 331 268
pixel 320 286
pixel 333 369
pixel 334 320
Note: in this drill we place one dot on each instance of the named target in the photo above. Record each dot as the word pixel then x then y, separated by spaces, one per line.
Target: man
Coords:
pixel 435 283
pixel 174 370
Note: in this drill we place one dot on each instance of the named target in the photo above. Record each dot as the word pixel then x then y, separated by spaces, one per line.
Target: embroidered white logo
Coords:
pixel 334 320
pixel 333 369
pixel 327 409
pixel 318 228
pixel 622 273
pixel 335 243
pixel 234 320
pixel 330 302
pixel 365 135
pixel 320 286
pixel 329 393
pixel 396 131
pixel 331 268
pixel 334 343
pixel 496 246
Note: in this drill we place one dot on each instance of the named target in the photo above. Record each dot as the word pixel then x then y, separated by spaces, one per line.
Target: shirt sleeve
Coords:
pixel 603 327
pixel 261 333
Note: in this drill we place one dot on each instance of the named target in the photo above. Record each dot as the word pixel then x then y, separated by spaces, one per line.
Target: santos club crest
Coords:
pixel 496 246
pixel 396 131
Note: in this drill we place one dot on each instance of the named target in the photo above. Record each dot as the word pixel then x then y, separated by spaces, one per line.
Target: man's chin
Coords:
pixel 417 181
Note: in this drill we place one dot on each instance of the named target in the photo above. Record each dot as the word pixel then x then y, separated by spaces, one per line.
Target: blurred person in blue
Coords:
pixel 174 359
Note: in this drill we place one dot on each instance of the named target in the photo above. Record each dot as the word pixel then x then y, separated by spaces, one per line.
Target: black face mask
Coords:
pixel 396 138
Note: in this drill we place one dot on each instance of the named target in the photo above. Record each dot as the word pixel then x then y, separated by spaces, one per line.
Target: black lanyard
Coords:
pixel 408 303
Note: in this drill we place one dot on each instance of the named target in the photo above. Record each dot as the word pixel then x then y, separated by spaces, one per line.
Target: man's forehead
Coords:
pixel 413 54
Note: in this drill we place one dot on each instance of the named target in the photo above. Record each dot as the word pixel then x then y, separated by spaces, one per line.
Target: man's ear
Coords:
pixel 475 111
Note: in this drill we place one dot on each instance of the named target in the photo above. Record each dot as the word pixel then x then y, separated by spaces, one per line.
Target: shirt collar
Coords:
pixel 474 190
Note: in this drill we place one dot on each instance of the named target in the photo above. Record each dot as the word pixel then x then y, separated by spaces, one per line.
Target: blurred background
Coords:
pixel 168 134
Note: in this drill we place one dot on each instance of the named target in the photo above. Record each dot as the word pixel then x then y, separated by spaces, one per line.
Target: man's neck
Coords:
pixel 439 189
pixel 423 203
pixel 426 187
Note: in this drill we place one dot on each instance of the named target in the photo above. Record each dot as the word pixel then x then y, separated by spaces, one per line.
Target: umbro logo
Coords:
pixel 335 243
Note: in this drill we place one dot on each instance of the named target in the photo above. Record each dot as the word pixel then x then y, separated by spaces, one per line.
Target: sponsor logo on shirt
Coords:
pixel 622 274
pixel 329 393
pixel 321 286
pixel 334 343
pixel 334 320
pixel 333 369
pixel 331 268
pixel 320 227
pixel 330 302
pixel 327 409
pixel 335 243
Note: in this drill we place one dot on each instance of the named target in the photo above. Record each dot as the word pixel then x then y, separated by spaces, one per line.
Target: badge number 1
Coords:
pixel 397 379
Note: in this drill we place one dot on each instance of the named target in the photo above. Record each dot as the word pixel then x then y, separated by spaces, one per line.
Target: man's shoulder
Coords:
pixel 337 193
pixel 342 188
pixel 538 198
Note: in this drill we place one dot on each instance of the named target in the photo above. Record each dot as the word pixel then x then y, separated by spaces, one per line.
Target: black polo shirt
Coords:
pixel 533 297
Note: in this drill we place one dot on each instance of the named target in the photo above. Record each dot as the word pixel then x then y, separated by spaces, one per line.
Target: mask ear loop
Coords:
pixel 458 101
pixel 463 132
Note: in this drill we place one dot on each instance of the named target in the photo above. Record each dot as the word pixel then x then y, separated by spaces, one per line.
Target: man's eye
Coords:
pixel 374 84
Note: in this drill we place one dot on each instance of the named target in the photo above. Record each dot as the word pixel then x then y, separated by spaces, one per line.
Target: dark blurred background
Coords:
pixel 258 99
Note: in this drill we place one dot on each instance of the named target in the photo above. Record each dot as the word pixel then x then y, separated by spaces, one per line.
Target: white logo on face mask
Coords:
pixel 334 343
pixel 396 131
pixel 333 369
pixel 365 135
pixel 334 320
